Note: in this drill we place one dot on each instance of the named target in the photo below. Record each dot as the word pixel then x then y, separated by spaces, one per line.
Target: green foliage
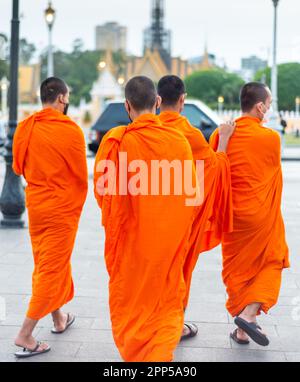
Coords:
pixel 288 83
pixel 3 69
pixel 208 85
pixel 79 69
pixel 27 51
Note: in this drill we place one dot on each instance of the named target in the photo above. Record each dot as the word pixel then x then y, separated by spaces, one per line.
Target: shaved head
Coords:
pixel 140 92
pixel 252 94
pixel 51 88
pixel 171 88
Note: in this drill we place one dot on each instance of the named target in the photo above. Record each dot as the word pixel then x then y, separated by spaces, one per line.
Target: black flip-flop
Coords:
pixel 251 328
pixel 70 321
pixel 193 331
pixel 26 353
pixel 235 338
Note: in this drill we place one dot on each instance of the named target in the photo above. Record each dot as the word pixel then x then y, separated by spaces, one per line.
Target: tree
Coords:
pixel 3 69
pixel 208 85
pixel 79 69
pixel 27 51
pixel 288 83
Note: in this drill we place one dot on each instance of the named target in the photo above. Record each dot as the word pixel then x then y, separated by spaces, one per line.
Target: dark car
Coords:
pixel 115 114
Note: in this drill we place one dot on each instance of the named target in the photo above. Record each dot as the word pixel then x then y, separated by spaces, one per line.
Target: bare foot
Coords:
pixel 29 343
pixel 185 331
pixel 250 318
pixel 61 323
pixel 241 335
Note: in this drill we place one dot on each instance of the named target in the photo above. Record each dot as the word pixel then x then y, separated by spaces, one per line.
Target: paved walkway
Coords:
pixel 91 338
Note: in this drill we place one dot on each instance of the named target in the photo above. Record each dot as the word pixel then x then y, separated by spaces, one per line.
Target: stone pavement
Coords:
pixel 91 340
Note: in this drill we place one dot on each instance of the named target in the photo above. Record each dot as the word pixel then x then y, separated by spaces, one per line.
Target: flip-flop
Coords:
pixel 235 338
pixel 26 353
pixel 193 331
pixel 251 328
pixel 70 321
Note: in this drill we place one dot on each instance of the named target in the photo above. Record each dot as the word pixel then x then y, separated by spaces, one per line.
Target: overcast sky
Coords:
pixel 232 28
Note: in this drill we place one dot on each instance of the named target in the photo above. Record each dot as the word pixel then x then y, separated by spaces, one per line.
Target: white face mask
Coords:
pixel 268 114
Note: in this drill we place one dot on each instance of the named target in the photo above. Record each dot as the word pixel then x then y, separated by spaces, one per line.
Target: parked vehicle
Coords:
pixel 200 115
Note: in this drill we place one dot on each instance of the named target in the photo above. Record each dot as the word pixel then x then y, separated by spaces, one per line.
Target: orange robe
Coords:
pixel 49 151
pixel 146 244
pixel 214 216
pixel 255 253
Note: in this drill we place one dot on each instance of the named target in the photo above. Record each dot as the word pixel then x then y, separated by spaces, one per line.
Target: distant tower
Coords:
pixel 157 37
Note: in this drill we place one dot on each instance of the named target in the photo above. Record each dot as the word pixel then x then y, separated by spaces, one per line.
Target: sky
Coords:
pixel 232 28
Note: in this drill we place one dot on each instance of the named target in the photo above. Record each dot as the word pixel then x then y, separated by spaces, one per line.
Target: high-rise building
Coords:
pixel 111 36
pixel 156 37
pixel 251 65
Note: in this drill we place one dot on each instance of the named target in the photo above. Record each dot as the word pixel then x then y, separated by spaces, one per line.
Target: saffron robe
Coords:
pixel 146 243
pixel 256 252
pixel 214 215
pixel 49 151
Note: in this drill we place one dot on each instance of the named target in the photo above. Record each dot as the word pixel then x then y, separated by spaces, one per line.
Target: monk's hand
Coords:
pixel 226 130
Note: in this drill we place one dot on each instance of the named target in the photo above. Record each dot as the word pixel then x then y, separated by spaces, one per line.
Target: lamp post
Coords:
pixel 4 88
pixel 12 203
pixel 297 101
pixel 220 104
pixel 274 80
pixel 50 18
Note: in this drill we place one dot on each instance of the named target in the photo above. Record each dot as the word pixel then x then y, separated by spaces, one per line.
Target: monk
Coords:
pixel 255 253
pixel 49 151
pixel 146 232
pixel 214 216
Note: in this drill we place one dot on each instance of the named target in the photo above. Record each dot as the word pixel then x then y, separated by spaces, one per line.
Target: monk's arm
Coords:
pixel 225 132
pixel 78 160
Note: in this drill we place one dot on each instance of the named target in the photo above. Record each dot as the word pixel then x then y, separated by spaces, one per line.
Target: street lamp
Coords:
pixel 4 88
pixel 274 81
pixel 50 18
pixel 102 65
pixel 12 203
pixel 297 101
pixel 121 81
pixel 220 104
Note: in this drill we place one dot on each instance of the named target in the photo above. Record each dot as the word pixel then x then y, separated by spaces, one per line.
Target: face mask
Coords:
pixel 66 108
pixel 268 114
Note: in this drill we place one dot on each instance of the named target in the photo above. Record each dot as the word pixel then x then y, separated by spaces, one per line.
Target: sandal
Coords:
pixel 252 329
pixel 26 353
pixel 193 331
pixel 70 321
pixel 235 338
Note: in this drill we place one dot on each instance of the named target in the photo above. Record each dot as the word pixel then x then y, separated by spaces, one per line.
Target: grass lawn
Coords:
pixel 291 140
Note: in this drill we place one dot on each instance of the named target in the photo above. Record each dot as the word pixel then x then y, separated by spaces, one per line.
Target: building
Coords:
pixel 156 37
pixel 29 83
pixel 111 36
pixel 205 62
pixel 106 88
pixel 157 60
pixel 250 66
